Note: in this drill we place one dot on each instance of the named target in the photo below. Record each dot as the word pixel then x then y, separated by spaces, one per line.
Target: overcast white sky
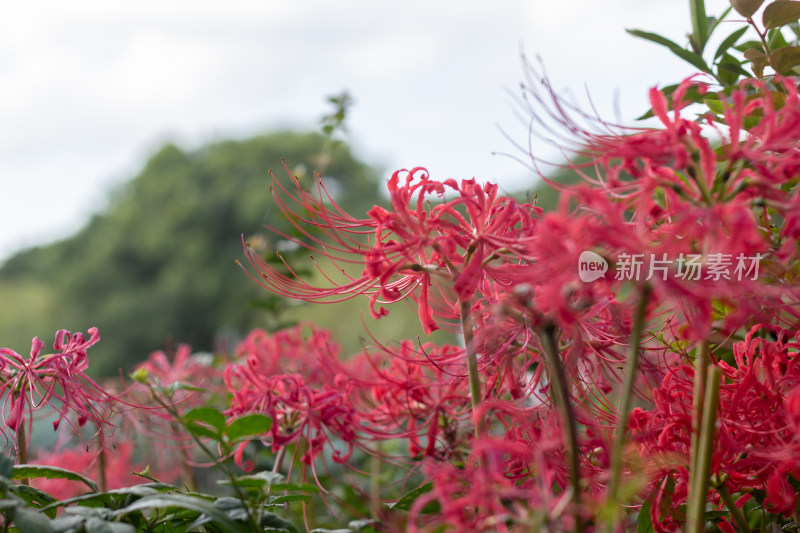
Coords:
pixel 88 88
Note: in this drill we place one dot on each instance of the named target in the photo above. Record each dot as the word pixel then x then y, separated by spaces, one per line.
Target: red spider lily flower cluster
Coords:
pixel 757 446
pixel 406 250
pixel 311 407
pixel 707 206
pixel 55 381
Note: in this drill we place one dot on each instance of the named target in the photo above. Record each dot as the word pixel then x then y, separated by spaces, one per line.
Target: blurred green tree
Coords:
pixel 157 267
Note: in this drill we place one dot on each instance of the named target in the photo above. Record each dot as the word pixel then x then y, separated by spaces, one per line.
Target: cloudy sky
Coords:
pixel 89 88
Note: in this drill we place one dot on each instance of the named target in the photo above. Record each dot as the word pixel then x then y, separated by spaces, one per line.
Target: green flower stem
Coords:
pixel 22 449
pixel 101 463
pixel 700 366
pixel 22 442
pixel 736 513
pixel 631 370
pixel 472 363
pixel 560 391
pixel 170 407
pixel 698 485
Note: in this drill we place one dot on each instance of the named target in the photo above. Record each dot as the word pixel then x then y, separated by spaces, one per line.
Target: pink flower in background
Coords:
pixel 120 466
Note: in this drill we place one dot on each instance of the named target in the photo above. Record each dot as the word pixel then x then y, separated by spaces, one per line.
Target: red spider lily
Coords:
pixel 756 446
pixel 181 367
pixel 53 380
pixel 311 410
pixel 669 192
pixel 418 394
pixel 511 480
pixel 411 245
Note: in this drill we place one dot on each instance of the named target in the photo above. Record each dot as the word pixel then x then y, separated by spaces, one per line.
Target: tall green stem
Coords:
pixel 101 463
pixel 736 513
pixel 569 428
pixel 22 441
pixel 698 393
pixel 698 485
pixel 472 363
pixel 626 398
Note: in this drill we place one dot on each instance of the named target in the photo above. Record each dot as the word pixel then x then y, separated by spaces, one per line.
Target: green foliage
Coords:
pixel 772 48
pixel 158 265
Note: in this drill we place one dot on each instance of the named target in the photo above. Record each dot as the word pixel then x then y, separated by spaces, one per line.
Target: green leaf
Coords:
pixel 205 422
pixel 780 12
pixel 305 487
pixel 30 521
pixel 688 56
pixel 363 525
pixel 291 498
pixel 180 501
pixel 182 385
pixel 775 39
pixel 714 22
pixel 273 522
pixel 783 60
pixel 408 499
pixel 746 8
pixel 97 525
pixel 644 524
pixel 207 415
pixel 699 24
pixel 758 60
pixel 258 480
pixel 729 70
pixel 34 497
pixel 50 472
pixel 729 41
pixel 248 426
pixel 714 105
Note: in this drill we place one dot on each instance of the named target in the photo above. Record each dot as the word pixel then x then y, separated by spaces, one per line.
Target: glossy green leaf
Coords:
pixel 205 422
pixel 248 426
pixel 783 60
pixel 746 8
pixel 51 472
pixel 688 56
pixel 207 415
pixel 729 41
pixel 408 499
pixel 180 501
pixel 780 12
